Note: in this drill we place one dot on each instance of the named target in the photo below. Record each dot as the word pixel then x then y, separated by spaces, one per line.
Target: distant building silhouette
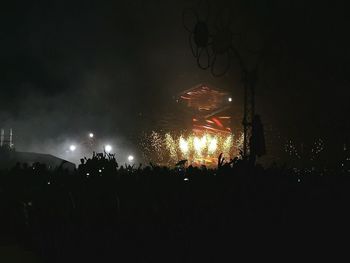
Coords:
pixel 9 157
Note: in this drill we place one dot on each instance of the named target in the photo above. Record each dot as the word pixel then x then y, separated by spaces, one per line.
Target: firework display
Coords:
pixel 168 149
pixel 200 149
pixel 209 134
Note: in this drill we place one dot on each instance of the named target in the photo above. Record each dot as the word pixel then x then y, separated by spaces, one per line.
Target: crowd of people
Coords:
pixel 152 213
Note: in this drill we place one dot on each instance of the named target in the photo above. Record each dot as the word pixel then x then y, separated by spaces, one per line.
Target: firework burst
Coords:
pixel 197 149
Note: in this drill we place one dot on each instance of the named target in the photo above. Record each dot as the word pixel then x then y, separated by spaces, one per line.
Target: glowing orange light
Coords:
pixel 218 122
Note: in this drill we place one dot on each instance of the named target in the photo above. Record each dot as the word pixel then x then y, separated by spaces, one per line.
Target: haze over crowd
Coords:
pixel 69 68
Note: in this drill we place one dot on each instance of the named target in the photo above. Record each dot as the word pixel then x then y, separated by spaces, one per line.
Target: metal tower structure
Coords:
pixel 207 46
pixel 4 142
pixel 11 139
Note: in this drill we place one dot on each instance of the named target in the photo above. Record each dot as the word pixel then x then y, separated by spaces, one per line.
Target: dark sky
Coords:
pixel 113 66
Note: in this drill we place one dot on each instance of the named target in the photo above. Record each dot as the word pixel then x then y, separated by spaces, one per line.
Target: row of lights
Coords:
pixel 108 148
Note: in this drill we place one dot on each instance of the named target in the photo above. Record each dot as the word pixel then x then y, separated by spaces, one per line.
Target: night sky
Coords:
pixel 114 66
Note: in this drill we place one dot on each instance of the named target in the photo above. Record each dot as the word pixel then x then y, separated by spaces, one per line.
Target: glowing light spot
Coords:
pixel 199 144
pixel 213 145
pixel 229 99
pixel 183 145
pixel 72 148
pixel 108 148
pixel 130 158
pixel 91 135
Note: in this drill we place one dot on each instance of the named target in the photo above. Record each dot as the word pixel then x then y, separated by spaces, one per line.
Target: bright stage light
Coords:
pixel 229 99
pixel 199 144
pixel 108 148
pixel 183 145
pixel 72 148
pixel 130 158
pixel 213 145
pixel 91 135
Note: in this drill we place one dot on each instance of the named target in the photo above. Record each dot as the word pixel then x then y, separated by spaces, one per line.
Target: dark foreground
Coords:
pixel 102 213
